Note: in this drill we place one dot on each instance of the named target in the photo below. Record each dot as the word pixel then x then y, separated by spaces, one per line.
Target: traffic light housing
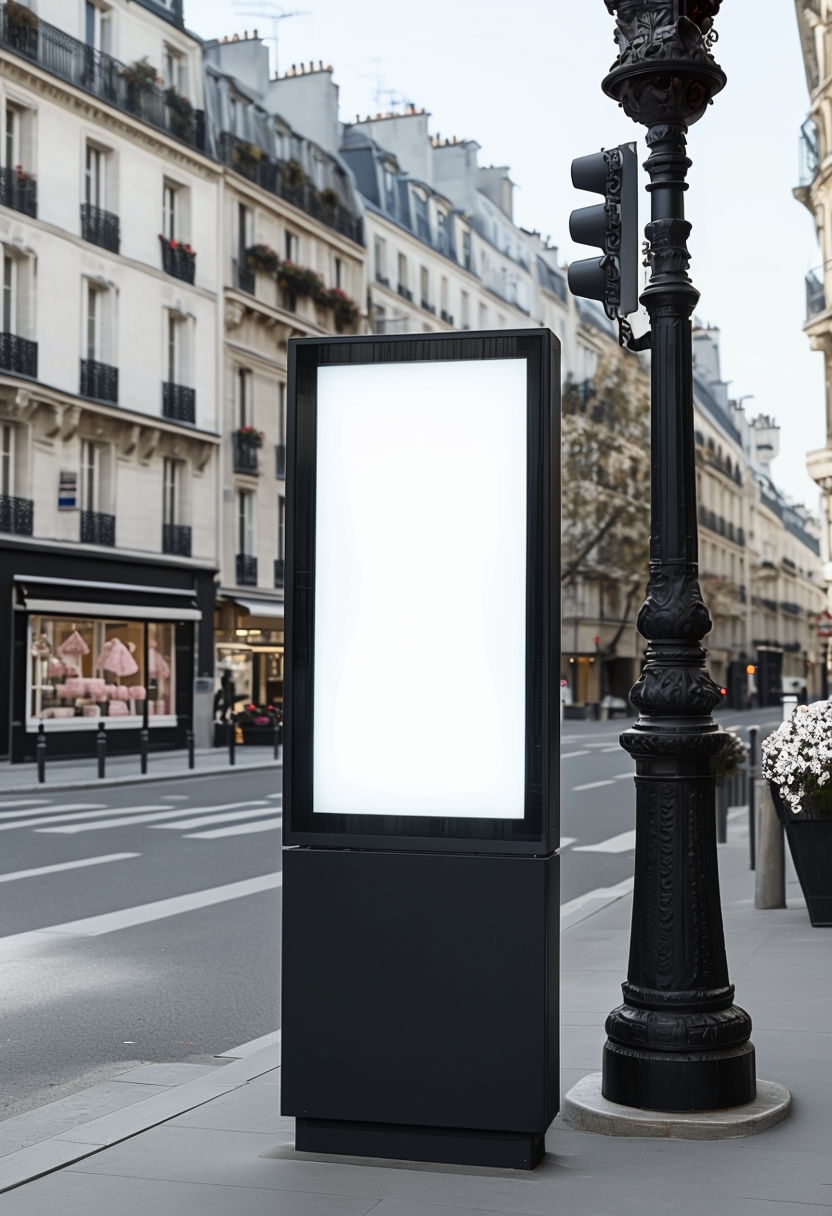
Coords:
pixel 612 226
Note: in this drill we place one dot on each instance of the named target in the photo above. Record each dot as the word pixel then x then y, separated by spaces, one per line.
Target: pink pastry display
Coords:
pixel 158 666
pixel 74 687
pixel 117 709
pixel 137 693
pixel 95 688
pixel 91 711
pixel 115 657
pixel 74 644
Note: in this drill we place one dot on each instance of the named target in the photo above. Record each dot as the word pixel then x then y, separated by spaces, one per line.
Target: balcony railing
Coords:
pixel 404 292
pixel 100 227
pixel 809 161
pixel 176 539
pixel 18 355
pixel 119 84
pixel 19 191
pixel 178 402
pixel 244 277
pixel 97 528
pixel 275 176
pixel 446 317
pixel 99 381
pixel 177 260
pixel 279 571
pixel 246 570
pixel 245 454
pixel 16 515
pixel 280 460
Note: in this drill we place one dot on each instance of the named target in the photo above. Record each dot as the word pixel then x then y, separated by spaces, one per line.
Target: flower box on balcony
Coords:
pixel 250 436
pixel 178 259
pixel 263 258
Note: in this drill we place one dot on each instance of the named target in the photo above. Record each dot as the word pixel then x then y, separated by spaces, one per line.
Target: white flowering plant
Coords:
pixel 797 758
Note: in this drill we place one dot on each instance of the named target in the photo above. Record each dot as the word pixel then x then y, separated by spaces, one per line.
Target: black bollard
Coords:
pixel 101 748
pixel 189 743
pixel 144 747
pixel 232 742
pixel 753 732
pixel 40 753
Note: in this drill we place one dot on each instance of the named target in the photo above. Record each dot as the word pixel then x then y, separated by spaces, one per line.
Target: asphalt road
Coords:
pixel 142 923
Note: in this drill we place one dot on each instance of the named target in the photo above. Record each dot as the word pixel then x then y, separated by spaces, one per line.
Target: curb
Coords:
pixel 93 1136
pixel 95 783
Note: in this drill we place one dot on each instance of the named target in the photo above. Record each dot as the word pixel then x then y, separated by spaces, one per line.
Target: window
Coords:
pixel 88 668
pixel 93 333
pixel 95 177
pixel 174 70
pixel 281 413
pixel 424 285
pixel 246 543
pixel 441 232
pixel 18 134
pixel 173 350
pixel 420 206
pixel 170 227
pixel 291 246
pixel 6 459
pixel 11 142
pixel 380 258
pixel 171 491
pixel 244 404
pixel 402 270
pixel 90 488
pixel 467 255
pixel 339 272
pixel 97 27
pixel 244 230
pixel 465 309
pixel 483 321
pixel 390 190
pixel 9 294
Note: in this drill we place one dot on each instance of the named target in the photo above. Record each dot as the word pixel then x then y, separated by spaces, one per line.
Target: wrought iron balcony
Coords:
pixel 243 277
pixel 16 515
pixel 246 448
pixel 99 381
pixel 178 402
pixel 124 86
pixel 280 460
pixel 404 292
pixel 97 528
pixel 446 317
pixel 246 570
pixel 176 539
pixel 100 227
pixel 19 191
pixel 18 355
pixel 178 260
pixel 281 179
pixel 279 571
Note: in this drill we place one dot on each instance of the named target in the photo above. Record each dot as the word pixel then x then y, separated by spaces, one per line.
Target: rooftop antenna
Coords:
pixel 266 11
pixel 382 91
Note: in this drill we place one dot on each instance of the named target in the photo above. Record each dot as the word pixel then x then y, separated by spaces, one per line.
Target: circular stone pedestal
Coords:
pixel 585 1109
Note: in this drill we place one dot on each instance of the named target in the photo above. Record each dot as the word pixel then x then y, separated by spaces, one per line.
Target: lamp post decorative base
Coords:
pixel 585 1109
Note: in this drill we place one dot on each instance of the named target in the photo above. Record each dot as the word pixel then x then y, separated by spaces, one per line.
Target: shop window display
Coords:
pixel 96 668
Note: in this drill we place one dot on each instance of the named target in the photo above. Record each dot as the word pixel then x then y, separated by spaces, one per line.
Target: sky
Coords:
pixel 523 78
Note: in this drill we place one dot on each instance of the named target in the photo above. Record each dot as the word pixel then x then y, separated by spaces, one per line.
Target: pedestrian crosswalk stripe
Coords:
pixel 72 829
pixel 241 829
pixel 75 812
pixel 202 820
pixel 7 806
pixel 615 844
pixel 66 865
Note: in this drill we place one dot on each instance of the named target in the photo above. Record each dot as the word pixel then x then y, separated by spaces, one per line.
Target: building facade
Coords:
pixel 109 213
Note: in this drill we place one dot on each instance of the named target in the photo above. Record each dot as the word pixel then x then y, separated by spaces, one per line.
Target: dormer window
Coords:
pixel 420 210
pixel 389 190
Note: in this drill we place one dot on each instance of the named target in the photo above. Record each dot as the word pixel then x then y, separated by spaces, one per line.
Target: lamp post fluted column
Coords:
pixel 678 1041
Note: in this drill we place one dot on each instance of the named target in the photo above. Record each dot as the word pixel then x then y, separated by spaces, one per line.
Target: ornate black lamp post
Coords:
pixel 677 1042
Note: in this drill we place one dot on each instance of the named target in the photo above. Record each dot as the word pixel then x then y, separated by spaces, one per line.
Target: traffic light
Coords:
pixel 612 226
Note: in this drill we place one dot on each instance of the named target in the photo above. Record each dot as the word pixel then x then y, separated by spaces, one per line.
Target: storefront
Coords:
pixel 121 642
pixel 249 644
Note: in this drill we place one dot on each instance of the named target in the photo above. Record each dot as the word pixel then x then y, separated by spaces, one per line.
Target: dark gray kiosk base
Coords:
pixel 420 1004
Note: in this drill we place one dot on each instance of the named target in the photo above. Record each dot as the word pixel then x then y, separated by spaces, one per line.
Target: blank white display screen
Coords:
pixel 420 590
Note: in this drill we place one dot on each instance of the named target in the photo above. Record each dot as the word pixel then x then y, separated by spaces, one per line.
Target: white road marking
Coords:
pixel 592 901
pixel 243 829
pixel 67 865
pixel 4 806
pixel 66 809
pixel 202 820
pixel 249 1048
pixel 71 812
pixel 617 748
pixel 567 840
pixel 174 798
pixel 127 918
pixel 615 844
pixel 280 799
pixel 591 785
pixel 569 755
pixel 624 776
pixel 159 813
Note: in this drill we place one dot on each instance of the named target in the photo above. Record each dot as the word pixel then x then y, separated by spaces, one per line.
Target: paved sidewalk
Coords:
pixel 124 770
pixel 215 1144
